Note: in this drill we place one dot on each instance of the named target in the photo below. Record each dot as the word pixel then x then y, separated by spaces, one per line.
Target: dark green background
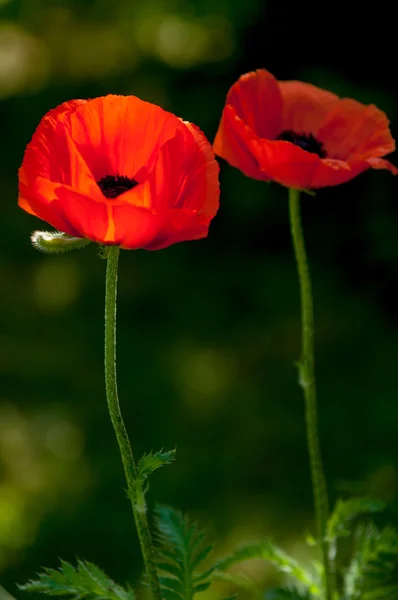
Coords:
pixel 208 331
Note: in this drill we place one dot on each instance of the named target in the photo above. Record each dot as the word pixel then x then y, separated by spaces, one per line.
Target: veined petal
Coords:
pixel 354 131
pixel 154 230
pixel 305 106
pixel 185 174
pixel 119 135
pixel 238 144
pixel 247 96
pixel 38 198
pixel 288 164
pixel 334 172
pixel 87 216
pixel 47 155
pixel 331 172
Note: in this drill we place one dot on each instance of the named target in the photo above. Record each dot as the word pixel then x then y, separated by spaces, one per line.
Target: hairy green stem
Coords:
pixel 306 371
pixel 134 485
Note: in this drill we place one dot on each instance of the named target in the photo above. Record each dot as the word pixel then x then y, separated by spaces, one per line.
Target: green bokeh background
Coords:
pixel 208 331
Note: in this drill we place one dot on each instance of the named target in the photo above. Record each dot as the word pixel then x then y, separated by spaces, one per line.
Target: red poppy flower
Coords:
pixel 118 170
pixel 300 135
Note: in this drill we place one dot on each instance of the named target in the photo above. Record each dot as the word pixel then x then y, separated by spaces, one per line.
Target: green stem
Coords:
pixel 134 485
pixel 307 381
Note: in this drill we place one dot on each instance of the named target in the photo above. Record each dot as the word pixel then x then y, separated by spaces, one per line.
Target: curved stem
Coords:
pixel 134 485
pixel 306 371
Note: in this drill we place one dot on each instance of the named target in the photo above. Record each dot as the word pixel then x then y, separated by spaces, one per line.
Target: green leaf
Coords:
pixel 269 552
pixel 155 460
pixel 86 580
pixel 181 550
pixel 347 511
pixel 55 242
pixel 373 571
pixel 241 581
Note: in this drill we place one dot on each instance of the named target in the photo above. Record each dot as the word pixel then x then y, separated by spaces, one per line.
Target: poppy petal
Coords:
pixel 257 100
pixel 355 131
pixel 381 163
pixel 202 188
pixel 185 174
pixel 87 216
pixel 238 144
pixel 38 198
pixel 118 135
pixel 37 194
pixel 331 172
pixel 139 227
pixel 305 106
pixel 179 226
pixel 334 172
pixel 46 143
pixel 288 164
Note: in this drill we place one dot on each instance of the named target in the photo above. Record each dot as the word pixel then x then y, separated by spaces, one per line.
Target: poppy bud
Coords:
pixel 54 242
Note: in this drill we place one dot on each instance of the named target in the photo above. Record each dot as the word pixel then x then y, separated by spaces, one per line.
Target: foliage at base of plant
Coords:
pixel 371 574
pixel 183 555
pixel 83 581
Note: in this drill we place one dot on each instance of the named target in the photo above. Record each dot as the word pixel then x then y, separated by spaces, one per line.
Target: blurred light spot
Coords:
pixel 56 284
pixel 185 42
pixel 65 441
pixel 180 42
pixel 39 470
pixel 23 61
pixel 12 439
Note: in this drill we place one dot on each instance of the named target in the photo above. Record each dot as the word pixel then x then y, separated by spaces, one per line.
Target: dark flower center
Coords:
pixel 306 141
pixel 114 185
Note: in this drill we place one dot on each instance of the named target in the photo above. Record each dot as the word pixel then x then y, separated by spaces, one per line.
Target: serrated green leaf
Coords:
pixel 171 568
pixel 347 511
pixel 205 576
pixel 170 583
pixel 169 595
pixel 201 587
pixel 153 461
pixel 373 571
pixel 269 552
pixel 86 580
pixel 241 581
pixel 181 550
pixel 202 555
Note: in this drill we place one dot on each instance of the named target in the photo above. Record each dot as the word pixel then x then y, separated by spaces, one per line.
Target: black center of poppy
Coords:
pixel 114 185
pixel 306 141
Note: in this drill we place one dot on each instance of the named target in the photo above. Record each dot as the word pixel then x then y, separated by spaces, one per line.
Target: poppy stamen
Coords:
pixel 306 141
pixel 114 185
